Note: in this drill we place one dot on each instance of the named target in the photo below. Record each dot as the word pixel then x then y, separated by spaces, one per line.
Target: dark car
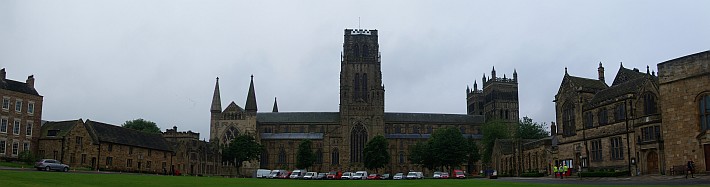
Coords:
pixel 51 164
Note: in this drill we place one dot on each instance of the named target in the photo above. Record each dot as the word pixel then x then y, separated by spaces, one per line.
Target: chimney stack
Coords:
pixel 601 72
pixel 3 74
pixel 30 81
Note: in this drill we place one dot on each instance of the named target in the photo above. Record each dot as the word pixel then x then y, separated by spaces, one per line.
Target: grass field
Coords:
pixel 23 178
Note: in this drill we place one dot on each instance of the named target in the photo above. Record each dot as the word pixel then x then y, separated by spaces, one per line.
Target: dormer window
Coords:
pixel 52 133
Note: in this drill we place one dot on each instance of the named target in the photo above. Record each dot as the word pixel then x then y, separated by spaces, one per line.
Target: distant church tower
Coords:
pixel 362 95
pixel 497 98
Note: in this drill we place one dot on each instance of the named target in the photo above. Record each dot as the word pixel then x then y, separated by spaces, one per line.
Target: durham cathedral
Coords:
pixel 340 137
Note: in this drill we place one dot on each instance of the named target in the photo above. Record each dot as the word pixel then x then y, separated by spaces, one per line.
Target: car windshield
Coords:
pixel 332 173
pixel 373 175
pixel 459 173
pixel 412 173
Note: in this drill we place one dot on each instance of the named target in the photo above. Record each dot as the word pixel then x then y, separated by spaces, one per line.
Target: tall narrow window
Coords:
pixel 15 148
pixel 31 108
pixel 401 157
pixel 356 85
pixel 16 127
pixel 319 156
pixel 282 155
pixel 3 125
pixel 334 157
pixel 649 104
pixel 264 159
pixel 568 120
pixel 596 150
pixel 620 112
pixel 3 144
pixel 603 117
pixel 28 128
pixel 18 106
pixel 5 103
pixel 588 120
pixel 705 112
pixel 364 89
pixel 358 138
pixel 617 152
pixel 356 49
pixel 365 51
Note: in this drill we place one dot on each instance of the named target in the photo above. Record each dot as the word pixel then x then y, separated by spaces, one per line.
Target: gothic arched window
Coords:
pixel 282 155
pixel 356 85
pixel 358 138
pixel 568 126
pixel 705 113
pixel 356 49
pixel 364 90
pixel 401 157
pixel 229 135
pixel 365 51
pixel 649 104
pixel 335 157
pixel 319 156
pixel 264 160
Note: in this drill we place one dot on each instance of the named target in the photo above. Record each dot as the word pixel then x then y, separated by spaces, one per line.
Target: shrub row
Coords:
pixel 604 174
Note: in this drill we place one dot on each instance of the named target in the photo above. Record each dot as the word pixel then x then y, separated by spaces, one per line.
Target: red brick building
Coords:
pixel 20 116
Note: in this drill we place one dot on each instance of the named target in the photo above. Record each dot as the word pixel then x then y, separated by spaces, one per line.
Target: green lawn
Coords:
pixel 21 178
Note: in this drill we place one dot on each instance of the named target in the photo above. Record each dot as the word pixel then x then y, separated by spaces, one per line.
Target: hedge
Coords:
pixel 604 174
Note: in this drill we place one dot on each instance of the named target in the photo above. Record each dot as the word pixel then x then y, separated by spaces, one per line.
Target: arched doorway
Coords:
pixel 358 138
pixel 652 162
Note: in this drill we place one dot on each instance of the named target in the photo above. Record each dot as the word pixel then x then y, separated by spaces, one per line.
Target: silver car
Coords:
pixel 51 164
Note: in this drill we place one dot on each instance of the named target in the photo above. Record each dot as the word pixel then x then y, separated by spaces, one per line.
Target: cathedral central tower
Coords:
pixel 362 94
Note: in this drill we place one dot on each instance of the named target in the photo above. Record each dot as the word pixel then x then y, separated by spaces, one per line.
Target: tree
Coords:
pixel 305 157
pixel 492 131
pixel 142 125
pixel 472 152
pixel 448 146
pixel 242 148
pixel 421 155
pixel 527 129
pixel 375 153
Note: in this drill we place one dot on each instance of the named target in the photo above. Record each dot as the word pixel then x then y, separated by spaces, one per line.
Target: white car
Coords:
pixel 346 175
pixel 310 175
pixel 297 174
pixel 398 176
pixel 414 175
pixel 359 175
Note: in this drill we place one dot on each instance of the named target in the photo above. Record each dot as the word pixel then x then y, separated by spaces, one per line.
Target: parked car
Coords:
pixel 374 176
pixel 51 164
pixel 414 175
pixel 359 175
pixel 437 175
pixel 386 176
pixel 276 173
pixel 297 174
pixel 398 176
pixel 494 175
pixel 334 175
pixel 310 175
pixel 459 174
pixel 444 175
pixel 321 176
pixel 285 175
pixel 262 173
pixel 346 175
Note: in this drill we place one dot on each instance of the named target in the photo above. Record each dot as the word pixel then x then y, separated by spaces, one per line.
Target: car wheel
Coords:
pixel 66 169
pixel 47 168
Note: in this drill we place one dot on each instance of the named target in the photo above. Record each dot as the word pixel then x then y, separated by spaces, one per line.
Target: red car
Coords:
pixel 334 175
pixel 444 175
pixel 373 177
pixel 284 175
pixel 459 174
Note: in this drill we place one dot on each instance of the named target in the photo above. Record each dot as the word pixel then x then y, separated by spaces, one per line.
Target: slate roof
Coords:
pixel 103 132
pixel 626 82
pixel 63 126
pixel 432 118
pixel 334 118
pixel 425 136
pixel 625 75
pixel 588 85
pixel 17 87
pixel 298 117
pixel 233 107
pixel 291 136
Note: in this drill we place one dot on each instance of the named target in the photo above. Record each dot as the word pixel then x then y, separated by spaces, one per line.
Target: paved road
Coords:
pixel 641 180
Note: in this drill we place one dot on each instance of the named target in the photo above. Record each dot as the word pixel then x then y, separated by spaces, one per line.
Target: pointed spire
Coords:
pixel 276 106
pixel 515 74
pixel 216 101
pixel 621 64
pixel 493 72
pixel 475 86
pixel 647 70
pixel 251 97
pixel 566 71
pixel 600 70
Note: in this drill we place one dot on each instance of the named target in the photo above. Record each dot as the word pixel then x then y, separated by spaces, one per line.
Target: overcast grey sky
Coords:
pixel 113 61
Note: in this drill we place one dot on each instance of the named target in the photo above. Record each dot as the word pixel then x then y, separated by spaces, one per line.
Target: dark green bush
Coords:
pixel 602 173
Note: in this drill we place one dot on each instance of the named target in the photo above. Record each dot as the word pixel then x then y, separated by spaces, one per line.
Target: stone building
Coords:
pixel 609 127
pixel 685 97
pixel 192 155
pixel 512 157
pixel 20 116
pixel 102 146
pixel 497 99
pixel 339 137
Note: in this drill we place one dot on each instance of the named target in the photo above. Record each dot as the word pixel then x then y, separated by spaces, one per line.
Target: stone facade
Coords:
pixel 339 137
pixel 513 157
pixel 194 156
pixel 20 116
pixel 607 127
pixel 685 90
pixel 498 98
pixel 101 146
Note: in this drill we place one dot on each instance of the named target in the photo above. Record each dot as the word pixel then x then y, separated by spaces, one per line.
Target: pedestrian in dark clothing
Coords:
pixel 690 169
